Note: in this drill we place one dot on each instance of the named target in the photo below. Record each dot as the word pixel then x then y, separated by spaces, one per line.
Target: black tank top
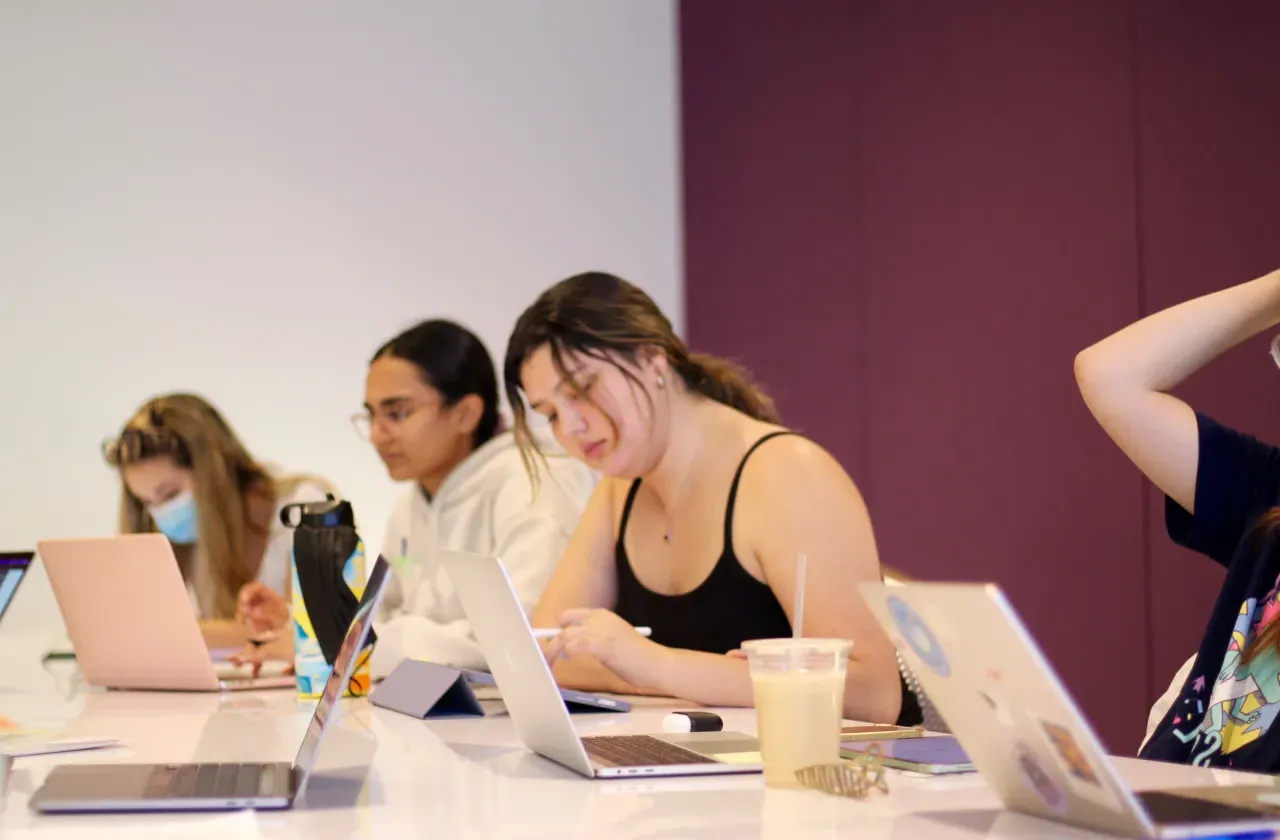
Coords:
pixel 725 610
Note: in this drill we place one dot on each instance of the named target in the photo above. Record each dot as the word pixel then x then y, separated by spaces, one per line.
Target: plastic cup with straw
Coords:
pixel 798 685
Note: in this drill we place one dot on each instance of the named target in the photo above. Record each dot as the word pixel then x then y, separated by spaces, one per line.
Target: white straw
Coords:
pixel 797 617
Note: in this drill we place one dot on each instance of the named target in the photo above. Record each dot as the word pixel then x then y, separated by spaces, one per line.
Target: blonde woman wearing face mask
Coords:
pixel 184 473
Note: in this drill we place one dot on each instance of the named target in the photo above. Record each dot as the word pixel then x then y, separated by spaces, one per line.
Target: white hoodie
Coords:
pixel 485 506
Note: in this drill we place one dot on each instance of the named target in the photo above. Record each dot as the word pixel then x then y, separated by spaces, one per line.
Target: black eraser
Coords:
pixel 692 722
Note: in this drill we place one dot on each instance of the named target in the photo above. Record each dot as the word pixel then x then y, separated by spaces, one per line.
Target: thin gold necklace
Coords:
pixel 668 535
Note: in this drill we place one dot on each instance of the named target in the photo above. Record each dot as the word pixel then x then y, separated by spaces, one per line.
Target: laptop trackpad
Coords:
pixel 97 782
pixel 731 747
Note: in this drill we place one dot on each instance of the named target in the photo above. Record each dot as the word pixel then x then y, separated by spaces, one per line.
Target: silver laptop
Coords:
pixel 13 568
pixel 538 709
pixel 1003 701
pixel 81 788
pixel 99 583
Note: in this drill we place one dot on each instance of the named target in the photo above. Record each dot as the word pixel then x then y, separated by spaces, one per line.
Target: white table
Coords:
pixel 384 775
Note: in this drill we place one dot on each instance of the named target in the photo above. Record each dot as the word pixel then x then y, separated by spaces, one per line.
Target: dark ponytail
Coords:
pixel 454 361
pixel 725 382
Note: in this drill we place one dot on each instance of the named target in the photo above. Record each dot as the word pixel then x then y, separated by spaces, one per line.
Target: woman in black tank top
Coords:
pixel 704 507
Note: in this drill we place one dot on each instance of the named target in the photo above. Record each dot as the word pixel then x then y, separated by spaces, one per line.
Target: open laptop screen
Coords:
pixel 351 653
pixel 13 566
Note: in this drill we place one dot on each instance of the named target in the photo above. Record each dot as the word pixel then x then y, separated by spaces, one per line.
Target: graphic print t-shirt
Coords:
pixel 1225 714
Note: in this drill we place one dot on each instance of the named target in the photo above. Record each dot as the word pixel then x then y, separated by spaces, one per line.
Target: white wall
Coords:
pixel 246 198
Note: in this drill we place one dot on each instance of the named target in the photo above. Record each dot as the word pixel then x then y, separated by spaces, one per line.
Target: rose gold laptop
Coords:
pixel 130 620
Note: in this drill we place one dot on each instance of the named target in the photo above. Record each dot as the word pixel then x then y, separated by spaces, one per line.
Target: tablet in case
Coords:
pixel 427 690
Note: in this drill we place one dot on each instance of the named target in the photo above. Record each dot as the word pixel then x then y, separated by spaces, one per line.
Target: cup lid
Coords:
pixel 788 645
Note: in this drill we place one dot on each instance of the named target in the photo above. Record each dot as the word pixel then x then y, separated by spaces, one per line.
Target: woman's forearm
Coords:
pixel 1163 349
pixel 586 673
pixel 717 680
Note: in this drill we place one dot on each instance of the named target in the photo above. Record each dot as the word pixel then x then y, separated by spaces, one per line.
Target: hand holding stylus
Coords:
pixel 615 643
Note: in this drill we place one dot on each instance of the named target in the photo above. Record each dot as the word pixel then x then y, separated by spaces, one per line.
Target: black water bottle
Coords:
pixel 328 577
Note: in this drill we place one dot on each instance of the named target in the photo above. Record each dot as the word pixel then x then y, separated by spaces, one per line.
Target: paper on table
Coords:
pixel 10 729
pixel 234 825
pixel 26 747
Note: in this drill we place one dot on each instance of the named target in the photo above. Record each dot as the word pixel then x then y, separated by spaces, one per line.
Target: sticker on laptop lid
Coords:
pixel 918 636
pixel 1039 780
pixel 1081 775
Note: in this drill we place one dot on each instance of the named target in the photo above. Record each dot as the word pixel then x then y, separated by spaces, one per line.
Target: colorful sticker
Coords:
pixel 1039 780
pixel 1073 760
pixel 918 636
pixel 1083 778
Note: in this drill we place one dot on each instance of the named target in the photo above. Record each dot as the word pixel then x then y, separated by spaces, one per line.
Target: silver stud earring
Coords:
pixel 662 383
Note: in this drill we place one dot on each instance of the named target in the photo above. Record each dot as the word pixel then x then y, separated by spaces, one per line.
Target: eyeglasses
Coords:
pixel 363 421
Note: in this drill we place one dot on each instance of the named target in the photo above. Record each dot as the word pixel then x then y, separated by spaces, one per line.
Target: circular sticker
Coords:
pixel 918 636
pixel 1039 780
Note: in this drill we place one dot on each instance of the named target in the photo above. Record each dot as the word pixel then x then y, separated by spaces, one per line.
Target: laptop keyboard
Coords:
pixel 640 751
pixel 211 781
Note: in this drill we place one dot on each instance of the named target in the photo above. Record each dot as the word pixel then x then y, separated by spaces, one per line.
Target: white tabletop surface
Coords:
pixel 384 775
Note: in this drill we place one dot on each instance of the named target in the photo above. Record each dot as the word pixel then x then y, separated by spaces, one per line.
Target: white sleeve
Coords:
pixel 408 636
pixel 402 634
pixel 1166 701
pixel 530 535
pixel 394 539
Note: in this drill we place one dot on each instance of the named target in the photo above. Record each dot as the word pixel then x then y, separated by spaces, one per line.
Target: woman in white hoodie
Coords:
pixel 431 412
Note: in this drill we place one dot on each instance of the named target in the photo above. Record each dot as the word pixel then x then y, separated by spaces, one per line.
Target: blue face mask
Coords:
pixel 176 518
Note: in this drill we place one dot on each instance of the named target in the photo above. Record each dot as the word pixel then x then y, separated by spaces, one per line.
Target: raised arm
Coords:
pixel 1124 377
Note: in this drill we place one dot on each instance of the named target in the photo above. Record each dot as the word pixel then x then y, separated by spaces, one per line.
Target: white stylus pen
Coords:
pixel 552 632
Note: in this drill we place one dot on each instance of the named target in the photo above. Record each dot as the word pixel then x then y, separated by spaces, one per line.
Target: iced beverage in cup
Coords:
pixel 799 698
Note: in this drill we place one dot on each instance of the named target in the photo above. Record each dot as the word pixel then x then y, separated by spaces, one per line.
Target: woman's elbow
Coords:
pixel 875 698
pixel 1086 369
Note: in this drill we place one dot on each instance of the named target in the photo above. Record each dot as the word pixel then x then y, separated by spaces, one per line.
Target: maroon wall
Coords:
pixel 907 218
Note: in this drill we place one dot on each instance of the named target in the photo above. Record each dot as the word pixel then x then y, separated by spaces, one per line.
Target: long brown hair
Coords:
pixel 234 494
pixel 605 317
pixel 1264 527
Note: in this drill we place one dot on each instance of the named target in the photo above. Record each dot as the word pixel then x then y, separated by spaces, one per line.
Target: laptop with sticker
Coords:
pixel 1021 728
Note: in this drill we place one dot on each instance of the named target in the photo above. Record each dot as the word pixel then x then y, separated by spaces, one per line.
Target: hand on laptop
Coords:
pixel 278 648
pixel 610 640
pixel 261 609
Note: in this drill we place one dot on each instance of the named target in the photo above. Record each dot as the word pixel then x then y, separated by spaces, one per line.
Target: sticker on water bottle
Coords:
pixel 311 670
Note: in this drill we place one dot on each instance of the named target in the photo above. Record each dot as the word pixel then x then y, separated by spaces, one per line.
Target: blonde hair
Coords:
pixel 235 495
